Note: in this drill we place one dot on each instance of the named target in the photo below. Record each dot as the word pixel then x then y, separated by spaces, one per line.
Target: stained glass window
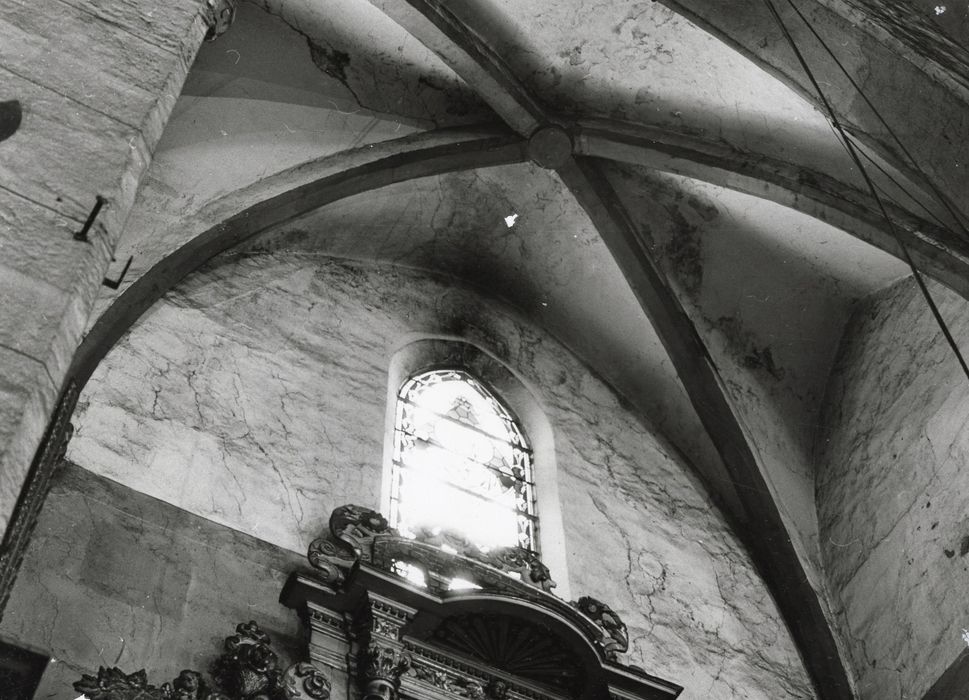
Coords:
pixel 461 463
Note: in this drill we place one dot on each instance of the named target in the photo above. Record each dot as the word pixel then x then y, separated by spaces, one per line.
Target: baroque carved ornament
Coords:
pixel 248 669
pixel 358 534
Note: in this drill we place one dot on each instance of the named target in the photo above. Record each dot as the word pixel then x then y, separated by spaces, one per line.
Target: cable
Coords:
pixel 939 196
pixel 915 200
pixel 943 200
pixel 871 185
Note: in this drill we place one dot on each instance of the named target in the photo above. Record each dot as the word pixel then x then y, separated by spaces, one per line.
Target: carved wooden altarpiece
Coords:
pixel 498 638
pixel 374 634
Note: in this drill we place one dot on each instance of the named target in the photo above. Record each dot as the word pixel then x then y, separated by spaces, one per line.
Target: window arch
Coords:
pixel 461 462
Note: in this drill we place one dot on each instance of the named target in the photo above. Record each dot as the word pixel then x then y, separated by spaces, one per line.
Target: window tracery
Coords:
pixel 461 464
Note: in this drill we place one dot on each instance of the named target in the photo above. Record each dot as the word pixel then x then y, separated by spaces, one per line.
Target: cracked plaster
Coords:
pixel 259 386
pixel 455 224
pixel 626 60
pixel 770 295
pixel 380 67
pixel 892 490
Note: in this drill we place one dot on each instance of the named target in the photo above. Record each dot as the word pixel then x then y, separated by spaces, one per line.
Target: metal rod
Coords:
pixel 82 234
pixel 849 146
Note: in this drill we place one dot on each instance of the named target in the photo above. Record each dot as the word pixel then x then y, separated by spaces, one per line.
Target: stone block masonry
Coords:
pixel 93 84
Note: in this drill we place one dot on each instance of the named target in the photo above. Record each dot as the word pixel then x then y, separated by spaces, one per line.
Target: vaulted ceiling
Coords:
pixel 683 215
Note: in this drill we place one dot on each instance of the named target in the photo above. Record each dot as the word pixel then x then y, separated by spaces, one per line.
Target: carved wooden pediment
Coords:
pixel 380 636
pixel 508 637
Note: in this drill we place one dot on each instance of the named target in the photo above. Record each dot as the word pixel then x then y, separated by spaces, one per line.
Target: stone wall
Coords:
pixel 892 491
pixel 255 395
pixel 93 83
pixel 116 578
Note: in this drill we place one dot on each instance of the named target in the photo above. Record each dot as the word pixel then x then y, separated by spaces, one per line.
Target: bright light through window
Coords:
pixel 410 572
pixel 461 584
pixel 461 463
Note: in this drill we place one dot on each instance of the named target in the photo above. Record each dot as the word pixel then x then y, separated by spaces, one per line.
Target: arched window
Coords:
pixel 461 463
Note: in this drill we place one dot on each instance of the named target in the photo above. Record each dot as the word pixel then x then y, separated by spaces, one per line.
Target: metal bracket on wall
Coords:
pixel 114 284
pixel 82 234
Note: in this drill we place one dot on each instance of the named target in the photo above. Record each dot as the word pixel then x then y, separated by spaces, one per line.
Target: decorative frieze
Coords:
pixel 509 640
pixel 454 678
pixel 450 683
pixel 321 618
pixel 387 618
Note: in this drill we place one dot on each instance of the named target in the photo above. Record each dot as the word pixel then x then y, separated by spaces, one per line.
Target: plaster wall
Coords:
pixel 113 577
pixel 380 66
pixel 892 489
pixel 254 395
pixel 769 291
pixel 642 62
pixel 455 223
pixel 86 128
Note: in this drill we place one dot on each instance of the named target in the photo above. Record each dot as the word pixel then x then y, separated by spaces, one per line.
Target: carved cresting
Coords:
pixel 359 534
pixel 358 526
pixel 355 529
pixel 247 670
pixel 523 562
pixel 380 671
pixel 352 530
pixel 508 638
pixel 218 16
pixel 617 638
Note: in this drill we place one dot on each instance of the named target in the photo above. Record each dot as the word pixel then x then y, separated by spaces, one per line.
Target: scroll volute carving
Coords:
pixel 305 680
pixel 248 669
pixel 352 531
pixel 357 526
pixel 616 640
